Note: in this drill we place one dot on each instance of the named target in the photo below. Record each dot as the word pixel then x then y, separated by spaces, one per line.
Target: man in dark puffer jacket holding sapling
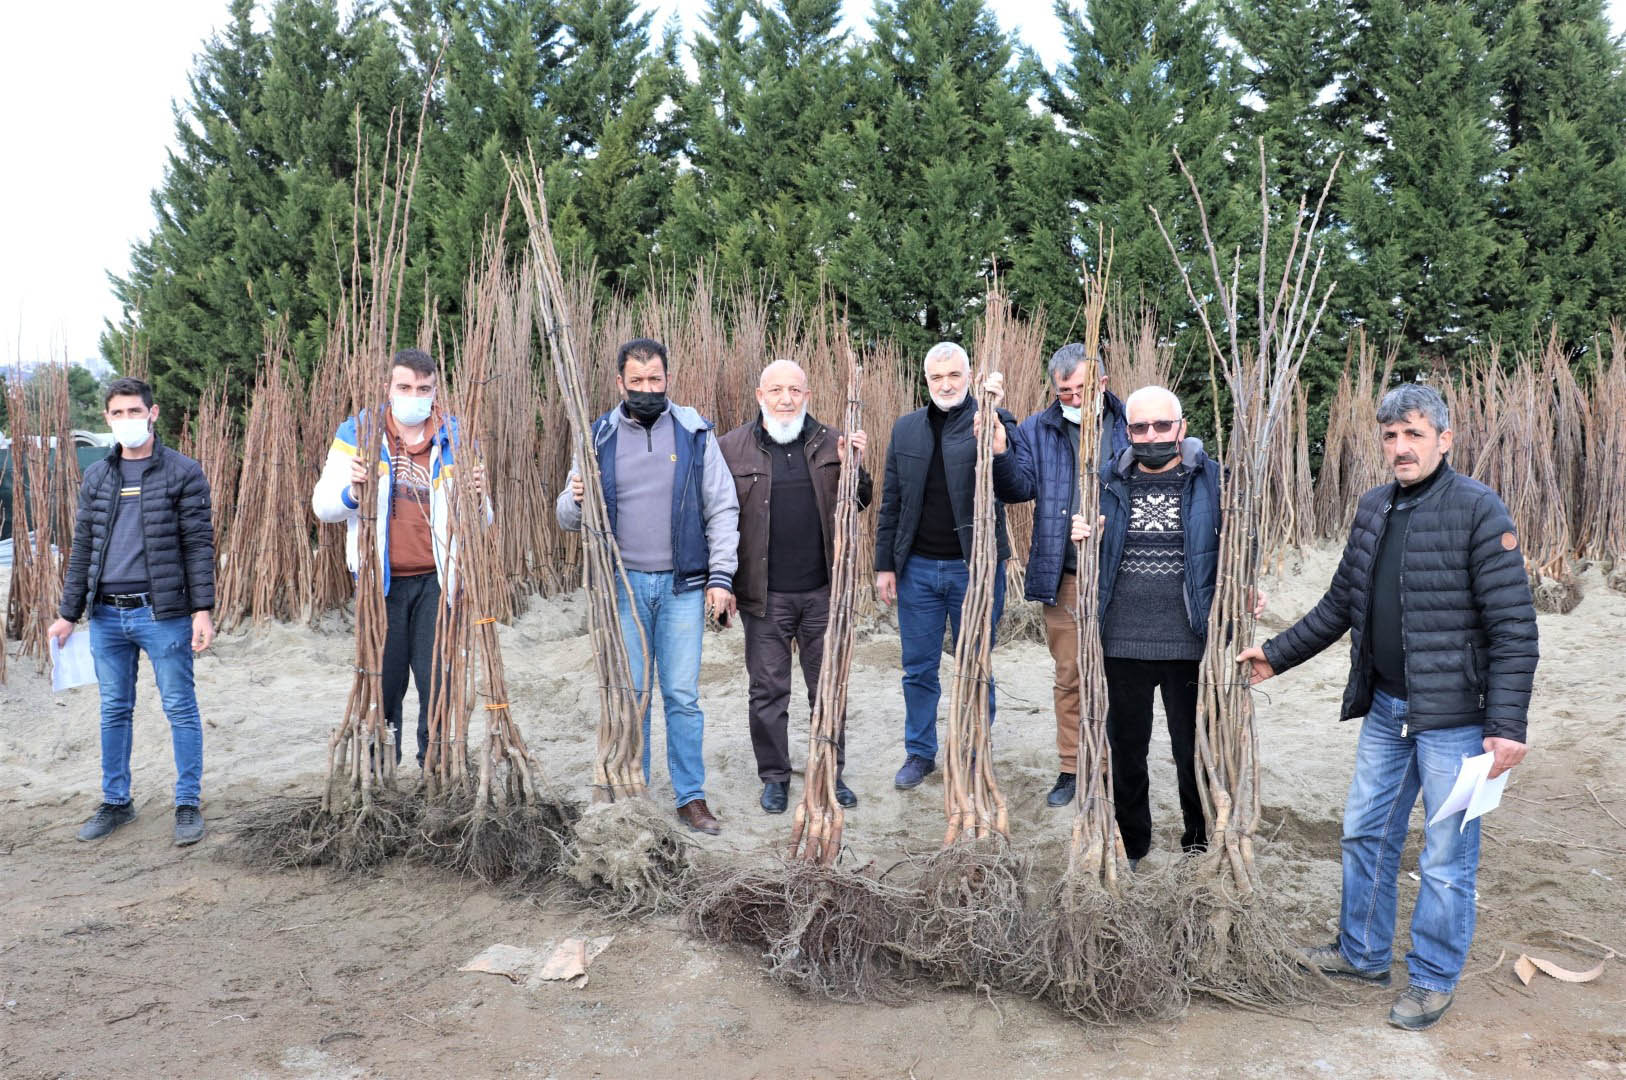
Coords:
pixel 1433 592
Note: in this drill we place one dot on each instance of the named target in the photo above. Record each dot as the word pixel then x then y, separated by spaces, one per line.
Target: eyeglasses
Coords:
pixel 1162 427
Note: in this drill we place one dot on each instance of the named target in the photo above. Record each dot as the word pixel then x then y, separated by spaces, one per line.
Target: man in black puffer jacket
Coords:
pixel 1433 592
pixel 143 562
pixel 923 539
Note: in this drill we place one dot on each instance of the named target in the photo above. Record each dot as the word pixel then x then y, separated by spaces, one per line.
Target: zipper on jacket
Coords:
pixel 1405 667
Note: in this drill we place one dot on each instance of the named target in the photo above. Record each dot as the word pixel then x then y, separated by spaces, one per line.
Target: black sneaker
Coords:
pixel 844 794
pixel 107 817
pixel 188 825
pixel 1330 960
pixel 775 796
pixel 1062 793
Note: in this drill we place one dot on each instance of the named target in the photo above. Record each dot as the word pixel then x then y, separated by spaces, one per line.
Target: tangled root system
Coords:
pixel 1556 596
pixel 280 834
pixel 973 926
pixel 629 857
pixel 1103 960
pixel 513 843
pixel 1232 948
pixel 825 931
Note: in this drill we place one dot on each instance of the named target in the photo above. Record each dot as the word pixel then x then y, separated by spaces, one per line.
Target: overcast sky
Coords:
pixel 88 87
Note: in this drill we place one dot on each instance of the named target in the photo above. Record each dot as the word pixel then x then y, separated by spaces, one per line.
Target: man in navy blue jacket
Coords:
pixel 1041 464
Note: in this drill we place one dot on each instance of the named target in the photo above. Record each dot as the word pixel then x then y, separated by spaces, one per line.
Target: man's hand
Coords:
pixel 1000 441
pixel 858 440
pixel 1081 528
pixel 578 487
pixel 58 632
pixel 358 478
pixel 1261 667
pixel 477 474
pixel 1258 603
pixel 1508 754
pixel 203 631
pixel 886 587
pixel 995 385
pixel 720 604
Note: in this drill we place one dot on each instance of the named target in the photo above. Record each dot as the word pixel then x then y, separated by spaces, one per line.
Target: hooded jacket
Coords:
pixel 331 500
pixel 705 511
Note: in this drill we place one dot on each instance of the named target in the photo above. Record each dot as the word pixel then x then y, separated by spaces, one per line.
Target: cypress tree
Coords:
pixel 912 199
pixel 762 103
pixel 1144 78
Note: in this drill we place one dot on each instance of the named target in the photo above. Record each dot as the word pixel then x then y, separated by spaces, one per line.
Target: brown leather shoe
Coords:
pixel 698 816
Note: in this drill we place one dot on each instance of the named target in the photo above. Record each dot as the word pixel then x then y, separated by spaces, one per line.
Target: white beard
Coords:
pixel 948 406
pixel 783 431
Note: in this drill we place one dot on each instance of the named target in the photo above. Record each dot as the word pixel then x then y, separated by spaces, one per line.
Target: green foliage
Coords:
pixel 1482 195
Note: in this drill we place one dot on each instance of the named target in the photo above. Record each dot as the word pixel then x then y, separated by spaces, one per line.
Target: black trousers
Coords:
pixel 787 617
pixel 409 647
pixel 1130 684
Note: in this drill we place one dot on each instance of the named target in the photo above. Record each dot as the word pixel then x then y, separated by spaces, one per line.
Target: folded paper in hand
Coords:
pixel 71 664
pixel 1473 792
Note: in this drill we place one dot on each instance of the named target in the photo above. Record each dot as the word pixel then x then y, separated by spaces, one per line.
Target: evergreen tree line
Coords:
pixel 1481 195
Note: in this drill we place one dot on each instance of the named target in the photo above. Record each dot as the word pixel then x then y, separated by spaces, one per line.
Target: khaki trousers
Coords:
pixel 1062 634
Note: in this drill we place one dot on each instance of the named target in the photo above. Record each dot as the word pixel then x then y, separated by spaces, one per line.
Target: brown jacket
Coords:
pixel 747 457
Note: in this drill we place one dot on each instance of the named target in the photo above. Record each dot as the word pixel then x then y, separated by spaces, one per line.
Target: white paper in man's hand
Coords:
pixel 1474 792
pixel 71 664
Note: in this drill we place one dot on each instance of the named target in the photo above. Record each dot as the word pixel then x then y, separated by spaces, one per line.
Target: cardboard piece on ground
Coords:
pixel 1525 967
pixel 513 963
pixel 565 962
pixel 570 958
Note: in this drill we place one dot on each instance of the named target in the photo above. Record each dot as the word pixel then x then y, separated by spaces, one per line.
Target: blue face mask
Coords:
pixel 1072 412
pixel 411 410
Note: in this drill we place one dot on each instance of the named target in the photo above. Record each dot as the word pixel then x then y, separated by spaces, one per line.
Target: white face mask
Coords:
pixel 1072 412
pixel 411 410
pixel 132 433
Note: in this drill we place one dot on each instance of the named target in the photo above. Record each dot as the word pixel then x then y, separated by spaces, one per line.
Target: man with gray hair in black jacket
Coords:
pixel 143 563
pixel 1433 592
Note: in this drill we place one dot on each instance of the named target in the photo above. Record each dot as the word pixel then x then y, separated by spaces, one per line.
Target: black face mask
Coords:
pixel 1155 455
pixel 645 406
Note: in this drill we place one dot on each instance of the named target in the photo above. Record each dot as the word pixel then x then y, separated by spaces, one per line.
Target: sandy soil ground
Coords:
pixel 134 958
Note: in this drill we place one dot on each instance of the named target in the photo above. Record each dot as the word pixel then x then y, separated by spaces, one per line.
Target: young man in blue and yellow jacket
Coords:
pixel 415 468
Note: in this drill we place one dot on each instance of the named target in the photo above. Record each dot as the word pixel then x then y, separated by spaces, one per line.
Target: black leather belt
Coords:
pixel 125 600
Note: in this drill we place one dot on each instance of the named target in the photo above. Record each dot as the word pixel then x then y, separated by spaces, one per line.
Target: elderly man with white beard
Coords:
pixel 923 541
pixel 786 468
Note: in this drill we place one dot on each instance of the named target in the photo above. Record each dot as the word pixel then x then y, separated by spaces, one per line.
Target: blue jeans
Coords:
pixel 930 592
pixel 117 638
pixel 1390 769
pixel 675 623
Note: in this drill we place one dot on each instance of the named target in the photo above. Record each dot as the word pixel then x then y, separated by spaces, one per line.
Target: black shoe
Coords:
pixel 775 796
pixel 188 825
pixel 844 794
pixel 1062 793
pixel 107 817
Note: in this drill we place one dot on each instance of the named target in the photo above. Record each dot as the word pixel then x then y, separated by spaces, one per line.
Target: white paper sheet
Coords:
pixel 1473 792
pixel 72 665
